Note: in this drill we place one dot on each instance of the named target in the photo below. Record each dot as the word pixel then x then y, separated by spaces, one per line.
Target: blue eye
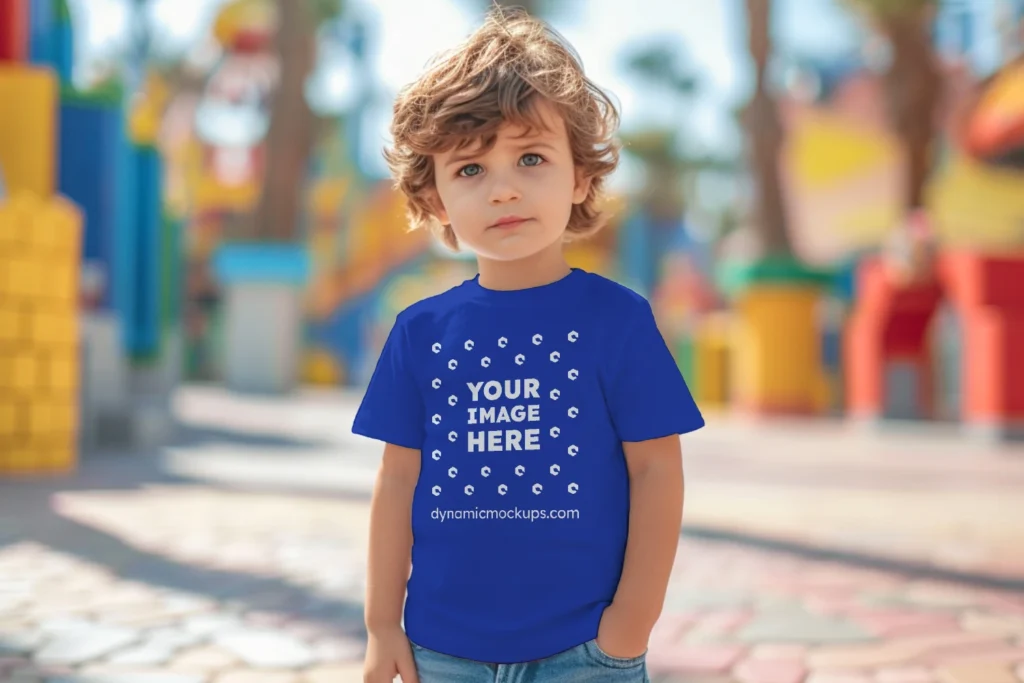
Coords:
pixel 539 159
pixel 465 170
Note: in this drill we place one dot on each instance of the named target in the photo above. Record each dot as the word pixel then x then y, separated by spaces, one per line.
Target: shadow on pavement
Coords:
pixel 29 514
pixel 809 551
pixel 192 435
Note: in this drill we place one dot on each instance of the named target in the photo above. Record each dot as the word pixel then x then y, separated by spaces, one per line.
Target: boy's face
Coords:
pixel 514 200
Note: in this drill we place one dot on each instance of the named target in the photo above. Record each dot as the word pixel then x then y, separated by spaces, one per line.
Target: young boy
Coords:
pixel 532 414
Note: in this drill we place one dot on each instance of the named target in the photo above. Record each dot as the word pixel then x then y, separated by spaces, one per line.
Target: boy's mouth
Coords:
pixel 509 222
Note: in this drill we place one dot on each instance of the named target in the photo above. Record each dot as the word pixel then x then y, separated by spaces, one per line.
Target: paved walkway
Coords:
pixel 923 497
pixel 238 556
pixel 926 497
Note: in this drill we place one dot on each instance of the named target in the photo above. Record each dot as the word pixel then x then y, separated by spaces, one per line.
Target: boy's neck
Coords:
pixel 540 269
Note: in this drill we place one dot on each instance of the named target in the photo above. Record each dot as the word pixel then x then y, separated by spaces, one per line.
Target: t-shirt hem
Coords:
pixel 679 429
pixel 487 652
pixel 387 437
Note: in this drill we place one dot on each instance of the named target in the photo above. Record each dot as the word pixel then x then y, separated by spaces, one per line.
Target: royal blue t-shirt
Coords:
pixel 519 402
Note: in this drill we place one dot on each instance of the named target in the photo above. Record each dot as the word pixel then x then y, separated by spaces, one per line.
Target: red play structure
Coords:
pixel 890 325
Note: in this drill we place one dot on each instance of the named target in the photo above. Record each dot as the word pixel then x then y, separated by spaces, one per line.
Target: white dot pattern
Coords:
pixel 538 482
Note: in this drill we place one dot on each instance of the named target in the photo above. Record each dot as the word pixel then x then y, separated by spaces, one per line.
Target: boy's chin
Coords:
pixel 514 247
pixel 511 252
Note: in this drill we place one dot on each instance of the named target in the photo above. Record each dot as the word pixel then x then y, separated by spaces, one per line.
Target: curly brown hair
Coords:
pixel 493 78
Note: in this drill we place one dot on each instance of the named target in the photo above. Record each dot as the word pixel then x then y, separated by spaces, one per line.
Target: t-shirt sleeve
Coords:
pixel 392 407
pixel 646 393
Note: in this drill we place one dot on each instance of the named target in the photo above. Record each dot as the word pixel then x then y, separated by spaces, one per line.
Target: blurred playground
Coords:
pixel 862 268
pixel 168 221
pixel 132 232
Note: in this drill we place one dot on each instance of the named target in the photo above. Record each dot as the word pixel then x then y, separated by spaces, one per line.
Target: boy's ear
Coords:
pixel 437 207
pixel 581 188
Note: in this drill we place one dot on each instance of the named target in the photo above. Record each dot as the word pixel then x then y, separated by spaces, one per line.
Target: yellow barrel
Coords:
pixel 777 360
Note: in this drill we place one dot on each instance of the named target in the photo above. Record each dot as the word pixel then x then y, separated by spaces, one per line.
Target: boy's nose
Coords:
pixel 502 192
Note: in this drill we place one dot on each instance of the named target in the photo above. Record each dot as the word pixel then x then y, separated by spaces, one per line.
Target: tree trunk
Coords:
pixel 913 87
pixel 765 138
pixel 290 138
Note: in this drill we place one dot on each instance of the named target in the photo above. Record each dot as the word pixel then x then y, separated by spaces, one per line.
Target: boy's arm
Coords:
pixel 390 538
pixel 655 516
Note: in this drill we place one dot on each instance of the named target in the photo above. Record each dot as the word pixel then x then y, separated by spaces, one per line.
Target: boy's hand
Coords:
pixel 388 654
pixel 619 636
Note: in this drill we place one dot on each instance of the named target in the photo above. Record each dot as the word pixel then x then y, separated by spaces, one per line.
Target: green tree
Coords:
pixel 534 8
pixel 543 9
pixel 661 64
pixel 669 167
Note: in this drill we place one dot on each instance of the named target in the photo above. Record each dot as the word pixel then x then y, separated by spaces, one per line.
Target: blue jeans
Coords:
pixel 585 663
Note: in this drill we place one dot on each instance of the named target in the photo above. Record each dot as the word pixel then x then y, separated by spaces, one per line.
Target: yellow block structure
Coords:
pixel 39 254
pixel 711 360
pixel 776 350
pixel 28 128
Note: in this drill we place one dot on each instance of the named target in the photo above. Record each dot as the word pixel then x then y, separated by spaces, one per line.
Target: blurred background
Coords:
pixel 201 256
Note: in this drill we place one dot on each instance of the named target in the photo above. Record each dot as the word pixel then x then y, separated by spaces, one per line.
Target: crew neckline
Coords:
pixel 540 293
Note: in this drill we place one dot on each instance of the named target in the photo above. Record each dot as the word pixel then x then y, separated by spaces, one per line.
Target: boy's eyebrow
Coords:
pixel 458 158
pixel 536 142
pixel 532 142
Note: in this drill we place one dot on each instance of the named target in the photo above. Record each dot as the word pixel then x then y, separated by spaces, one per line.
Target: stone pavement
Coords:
pixel 922 497
pixel 176 583
pixel 238 556
pixel 179 583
